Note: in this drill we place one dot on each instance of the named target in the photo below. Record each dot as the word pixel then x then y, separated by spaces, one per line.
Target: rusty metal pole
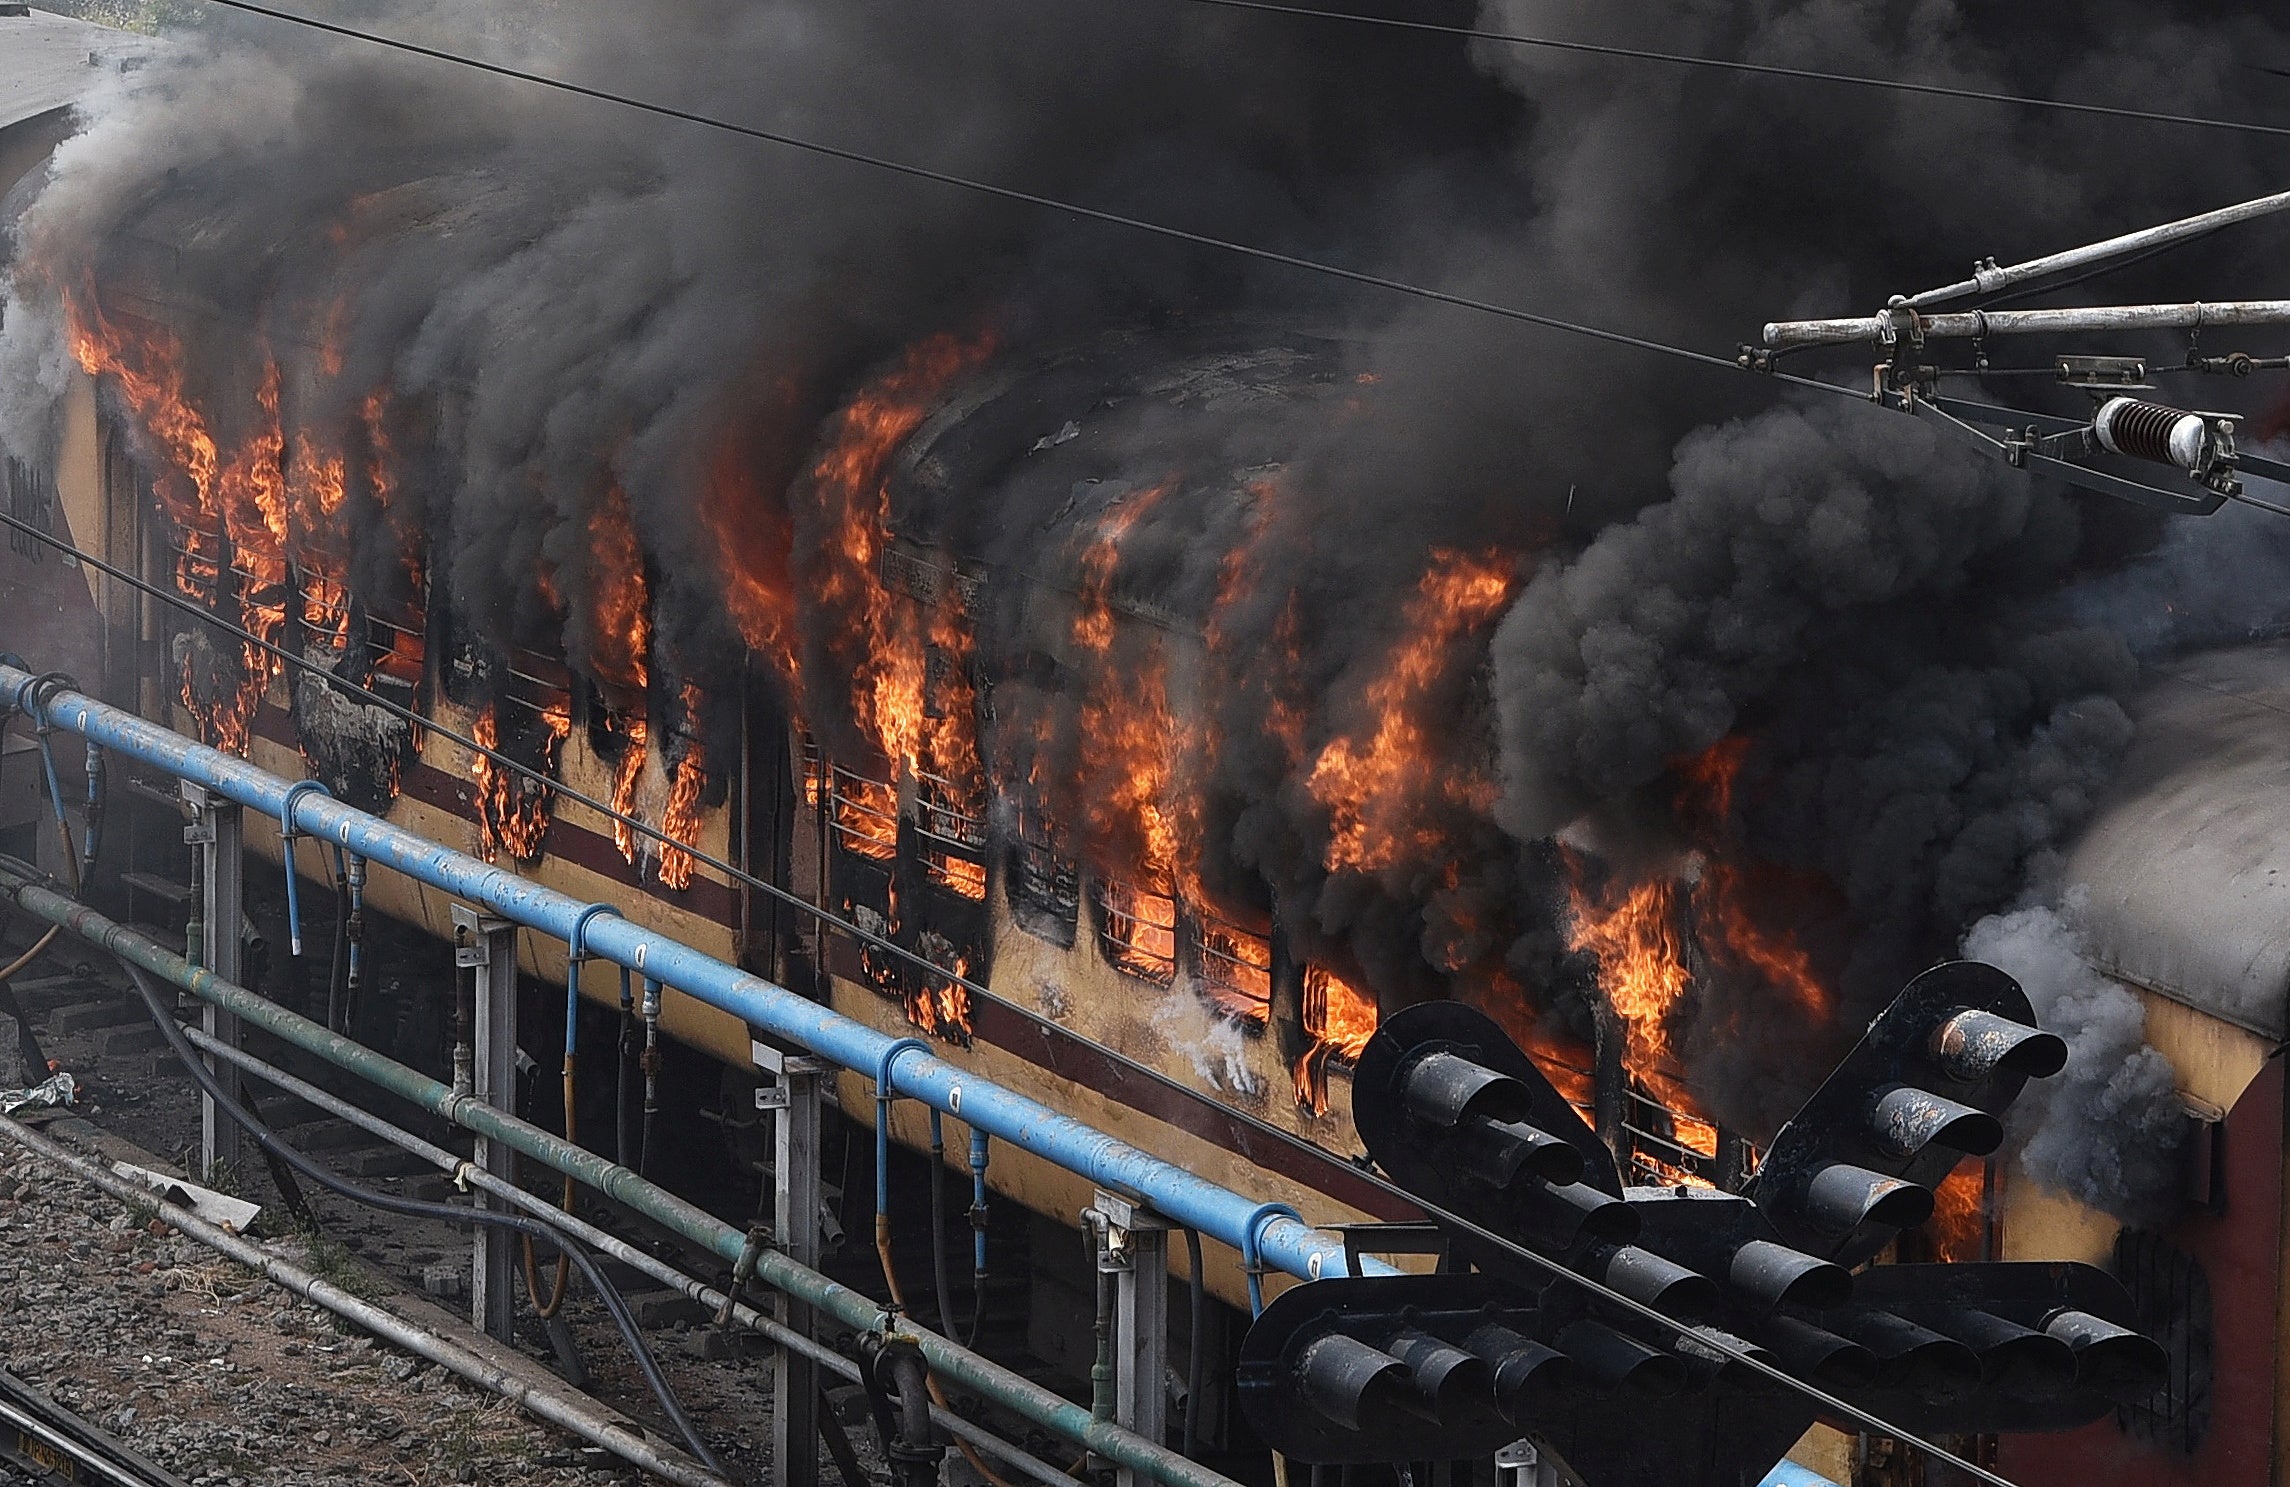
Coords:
pixel 1135 1247
pixel 489 949
pixel 215 834
pixel 793 1100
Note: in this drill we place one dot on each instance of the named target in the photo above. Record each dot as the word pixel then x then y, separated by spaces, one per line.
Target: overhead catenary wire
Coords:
pixel 1256 1124
pixel 1759 69
pixel 1036 199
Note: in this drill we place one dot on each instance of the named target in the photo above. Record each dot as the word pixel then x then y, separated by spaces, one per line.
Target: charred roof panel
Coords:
pixel 2187 862
pixel 48 61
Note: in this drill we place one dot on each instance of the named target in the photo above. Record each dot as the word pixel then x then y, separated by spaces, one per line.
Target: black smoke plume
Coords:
pixel 572 305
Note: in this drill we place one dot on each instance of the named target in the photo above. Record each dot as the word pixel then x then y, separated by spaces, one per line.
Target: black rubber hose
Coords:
pixel 451 1213
pixel 839 1444
pixel 623 1142
pixel 939 1276
pixel 1196 1349
pixel 338 965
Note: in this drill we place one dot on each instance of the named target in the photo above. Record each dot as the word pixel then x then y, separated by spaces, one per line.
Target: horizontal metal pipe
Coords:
pixel 1280 1242
pixel 592 1425
pixel 852 1308
pixel 1974 324
pixel 1988 278
pixel 465 1171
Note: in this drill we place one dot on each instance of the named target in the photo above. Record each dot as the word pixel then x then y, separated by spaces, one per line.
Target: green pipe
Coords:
pixel 951 1361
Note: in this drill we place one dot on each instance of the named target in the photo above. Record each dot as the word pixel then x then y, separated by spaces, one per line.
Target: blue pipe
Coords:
pixel 286 836
pixel 576 951
pixel 1276 1239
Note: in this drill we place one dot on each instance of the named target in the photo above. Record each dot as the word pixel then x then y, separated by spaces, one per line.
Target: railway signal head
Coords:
pixel 1924 1088
pixel 1453 1365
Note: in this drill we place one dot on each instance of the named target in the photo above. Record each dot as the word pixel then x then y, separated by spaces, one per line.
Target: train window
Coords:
pixel 1044 883
pixel 1235 969
pixel 1339 1019
pixel 952 826
pixel 2171 1297
pixel 31 500
pixel 1137 928
pixel 866 814
pixel 323 608
pixel 1668 1147
pixel 396 650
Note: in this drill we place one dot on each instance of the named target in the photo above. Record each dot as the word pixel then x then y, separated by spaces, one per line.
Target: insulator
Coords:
pixel 1770 1274
pixel 1354 1384
pixel 1973 1044
pixel 1561 1214
pixel 1818 1354
pixel 1621 1362
pixel 2012 1358
pixel 1458 1387
pixel 1502 1153
pixel 1905 1120
pixel 1525 1371
pixel 2113 1360
pixel 1445 1089
pixel 1665 1285
pixel 1909 1357
pixel 1843 1197
pixel 2155 432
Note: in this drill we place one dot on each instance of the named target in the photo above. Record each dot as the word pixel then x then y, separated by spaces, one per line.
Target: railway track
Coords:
pixel 43 1442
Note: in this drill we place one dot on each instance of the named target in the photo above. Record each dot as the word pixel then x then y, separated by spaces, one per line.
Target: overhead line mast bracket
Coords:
pixel 2105 451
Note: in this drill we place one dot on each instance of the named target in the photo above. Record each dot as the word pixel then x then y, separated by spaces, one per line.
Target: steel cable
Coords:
pixel 1256 1124
pixel 614 1304
pixel 1759 69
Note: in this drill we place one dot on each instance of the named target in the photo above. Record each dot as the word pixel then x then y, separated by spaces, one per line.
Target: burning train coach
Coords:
pixel 1016 793
pixel 1016 683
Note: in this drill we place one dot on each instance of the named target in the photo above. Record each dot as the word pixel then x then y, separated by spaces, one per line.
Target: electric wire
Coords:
pixel 1256 1124
pixel 1761 69
pixel 1036 199
pixel 325 1177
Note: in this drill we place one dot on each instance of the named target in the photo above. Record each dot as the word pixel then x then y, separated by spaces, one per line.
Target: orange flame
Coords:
pixel 1139 931
pixel 625 781
pixel 1375 788
pixel 1957 1229
pixel 620 620
pixel 1641 952
pixel 1339 1019
pixel 680 821
pixel 1775 957
pixel 512 810
pixel 851 481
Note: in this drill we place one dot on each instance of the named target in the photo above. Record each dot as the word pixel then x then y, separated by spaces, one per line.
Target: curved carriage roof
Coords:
pixel 2187 862
pixel 45 61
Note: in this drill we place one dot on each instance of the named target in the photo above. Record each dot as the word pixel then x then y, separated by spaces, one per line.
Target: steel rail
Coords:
pixel 463 1170
pixel 56 1445
pixel 852 1308
pixel 570 1411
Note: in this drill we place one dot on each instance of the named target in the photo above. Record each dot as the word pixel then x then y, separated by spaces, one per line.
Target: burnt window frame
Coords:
pixel 1041 883
pixel 31 500
pixel 2173 1303
pixel 1225 997
pixel 1105 913
pixel 941 837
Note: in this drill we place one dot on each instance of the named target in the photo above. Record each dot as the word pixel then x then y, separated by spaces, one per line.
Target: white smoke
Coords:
pixel 2106 1130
